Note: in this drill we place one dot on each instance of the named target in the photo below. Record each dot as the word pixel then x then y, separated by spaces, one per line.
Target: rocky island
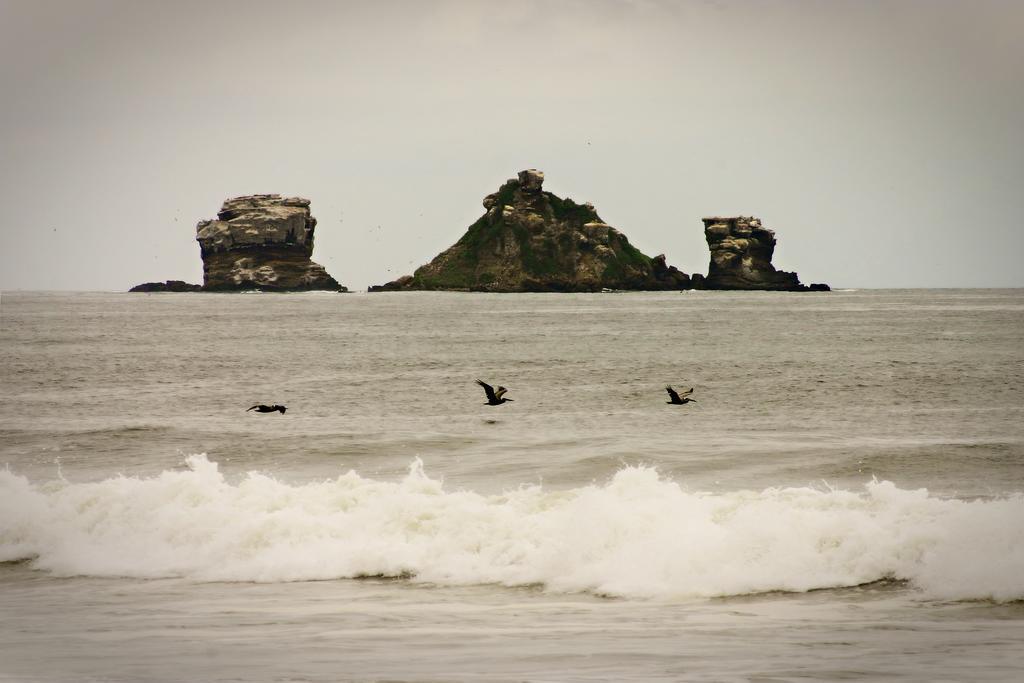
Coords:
pixel 257 242
pixel 741 257
pixel 529 240
pixel 169 286
pixel 262 241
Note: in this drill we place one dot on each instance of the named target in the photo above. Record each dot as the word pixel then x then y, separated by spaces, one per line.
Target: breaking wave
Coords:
pixel 637 536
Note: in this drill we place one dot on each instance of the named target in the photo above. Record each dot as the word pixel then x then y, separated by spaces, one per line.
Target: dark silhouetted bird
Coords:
pixel 676 399
pixel 260 408
pixel 494 398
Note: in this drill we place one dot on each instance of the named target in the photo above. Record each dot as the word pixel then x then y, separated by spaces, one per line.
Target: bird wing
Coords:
pixel 253 408
pixel 500 392
pixel 687 392
pixel 672 393
pixel 488 389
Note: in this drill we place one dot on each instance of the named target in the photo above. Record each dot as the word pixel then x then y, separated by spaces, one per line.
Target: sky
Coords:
pixel 881 140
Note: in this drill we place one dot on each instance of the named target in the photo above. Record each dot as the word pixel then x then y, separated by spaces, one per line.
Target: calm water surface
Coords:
pixel 843 500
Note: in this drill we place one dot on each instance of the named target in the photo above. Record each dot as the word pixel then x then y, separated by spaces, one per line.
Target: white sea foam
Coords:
pixel 639 535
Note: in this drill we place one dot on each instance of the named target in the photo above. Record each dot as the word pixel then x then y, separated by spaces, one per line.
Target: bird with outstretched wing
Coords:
pixel 679 399
pixel 494 397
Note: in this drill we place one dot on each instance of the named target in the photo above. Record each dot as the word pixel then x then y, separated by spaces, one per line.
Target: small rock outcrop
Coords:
pixel 169 286
pixel 262 242
pixel 530 240
pixel 741 257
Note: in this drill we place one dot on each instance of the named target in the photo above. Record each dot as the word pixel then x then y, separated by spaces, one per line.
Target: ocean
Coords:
pixel 843 500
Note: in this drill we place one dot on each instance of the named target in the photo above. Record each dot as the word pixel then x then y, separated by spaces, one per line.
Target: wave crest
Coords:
pixel 638 535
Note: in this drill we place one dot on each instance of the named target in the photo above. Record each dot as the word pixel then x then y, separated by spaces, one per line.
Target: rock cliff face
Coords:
pixel 262 242
pixel 533 241
pixel 741 257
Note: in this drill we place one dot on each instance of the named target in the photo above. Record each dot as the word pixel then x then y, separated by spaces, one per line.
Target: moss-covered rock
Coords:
pixel 530 240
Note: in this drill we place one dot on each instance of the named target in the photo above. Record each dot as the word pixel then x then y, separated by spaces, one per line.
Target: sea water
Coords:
pixel 844 499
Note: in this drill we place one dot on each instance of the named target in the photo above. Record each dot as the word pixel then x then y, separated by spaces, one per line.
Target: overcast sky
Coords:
pixel 882 141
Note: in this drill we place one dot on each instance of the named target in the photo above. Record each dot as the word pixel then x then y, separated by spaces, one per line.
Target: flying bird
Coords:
pixel 260 408
pixel 676 399
pixel 494 398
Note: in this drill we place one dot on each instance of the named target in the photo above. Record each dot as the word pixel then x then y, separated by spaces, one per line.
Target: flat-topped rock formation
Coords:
pixel 530 240
pixel 262 242
pixel 741 257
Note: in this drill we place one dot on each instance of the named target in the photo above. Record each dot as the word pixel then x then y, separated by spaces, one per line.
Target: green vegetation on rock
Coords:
pixel 531 240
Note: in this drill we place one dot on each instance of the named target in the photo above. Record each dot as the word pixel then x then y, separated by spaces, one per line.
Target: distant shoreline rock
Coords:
pixel 257 242
pixel 530 240
pixel 169 286
pixel 741 258
pixel 262 242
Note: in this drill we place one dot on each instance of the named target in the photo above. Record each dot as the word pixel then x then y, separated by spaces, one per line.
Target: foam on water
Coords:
pixel 638 535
